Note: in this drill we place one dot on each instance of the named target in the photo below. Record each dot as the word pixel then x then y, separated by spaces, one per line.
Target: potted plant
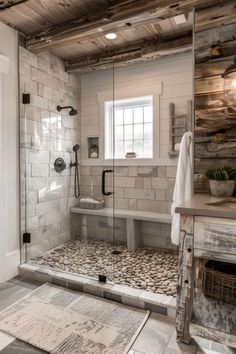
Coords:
pixel 222 181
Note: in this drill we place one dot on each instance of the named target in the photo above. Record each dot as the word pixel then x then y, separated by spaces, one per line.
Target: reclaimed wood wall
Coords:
pixel 215 122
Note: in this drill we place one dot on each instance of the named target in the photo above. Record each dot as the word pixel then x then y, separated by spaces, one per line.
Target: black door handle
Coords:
pixel 104 182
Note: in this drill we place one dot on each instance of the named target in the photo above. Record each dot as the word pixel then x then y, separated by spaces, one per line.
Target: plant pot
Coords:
pixel 222 188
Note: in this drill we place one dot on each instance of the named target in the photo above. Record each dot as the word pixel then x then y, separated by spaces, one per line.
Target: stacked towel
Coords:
pixel 183 183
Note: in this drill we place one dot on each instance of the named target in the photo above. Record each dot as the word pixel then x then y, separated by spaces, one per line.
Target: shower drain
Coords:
pixel 116 252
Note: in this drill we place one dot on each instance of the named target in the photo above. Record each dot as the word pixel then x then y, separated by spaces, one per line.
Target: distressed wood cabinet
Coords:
pixel 204 238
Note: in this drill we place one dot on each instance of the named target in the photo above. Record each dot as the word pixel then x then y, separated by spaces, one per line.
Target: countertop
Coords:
pixel 198 206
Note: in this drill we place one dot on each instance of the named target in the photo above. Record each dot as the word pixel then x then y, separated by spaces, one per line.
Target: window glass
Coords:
pixel 132 127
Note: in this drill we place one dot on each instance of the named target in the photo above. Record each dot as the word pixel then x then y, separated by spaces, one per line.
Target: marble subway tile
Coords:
pixel 132 204
pixel 144 171
pixel 171 171
pixel 162 171
pixel 42 63
pixel 47 207
pixel 152 205
pixel 50 81
pixel 160 194
pixel 39 170
pixel 28 57
pixel 147 183
pixel 39 156
pixel 125 182
pixel 133 171
pixel 139 193
pixel 24 69
pixel 159 183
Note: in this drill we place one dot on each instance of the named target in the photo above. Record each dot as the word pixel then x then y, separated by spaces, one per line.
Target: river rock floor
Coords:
pixel 150 269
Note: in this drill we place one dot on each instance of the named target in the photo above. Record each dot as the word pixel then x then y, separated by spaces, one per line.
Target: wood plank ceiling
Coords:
pixel 74 29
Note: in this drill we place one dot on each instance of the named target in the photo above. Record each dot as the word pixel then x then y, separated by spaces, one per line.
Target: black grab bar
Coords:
pixel 104 182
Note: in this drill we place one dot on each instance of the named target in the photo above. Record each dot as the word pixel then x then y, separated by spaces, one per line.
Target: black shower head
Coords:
pixel 76 147
pixel 72 111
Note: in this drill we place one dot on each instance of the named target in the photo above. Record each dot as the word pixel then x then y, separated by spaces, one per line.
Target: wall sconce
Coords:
pixel 229 77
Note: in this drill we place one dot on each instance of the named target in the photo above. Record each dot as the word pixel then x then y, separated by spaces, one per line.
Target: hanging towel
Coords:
pixel 183 183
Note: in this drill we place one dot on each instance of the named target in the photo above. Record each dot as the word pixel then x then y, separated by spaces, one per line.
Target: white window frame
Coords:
pixel 109 138
pixel 122 93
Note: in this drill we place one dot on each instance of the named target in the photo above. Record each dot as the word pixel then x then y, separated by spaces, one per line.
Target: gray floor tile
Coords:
pixel 25 283
pixel 155 335
pixel 174 347
pixel 10 293
pixel 19 347
pixel 5 340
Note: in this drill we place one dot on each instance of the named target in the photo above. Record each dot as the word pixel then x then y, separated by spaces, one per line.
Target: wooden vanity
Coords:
pixel 208 232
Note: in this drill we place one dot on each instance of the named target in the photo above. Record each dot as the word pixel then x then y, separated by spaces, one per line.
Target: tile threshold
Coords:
pixel 159 303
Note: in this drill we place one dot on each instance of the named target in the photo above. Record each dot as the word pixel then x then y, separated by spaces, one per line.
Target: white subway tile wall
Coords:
pixel 45 135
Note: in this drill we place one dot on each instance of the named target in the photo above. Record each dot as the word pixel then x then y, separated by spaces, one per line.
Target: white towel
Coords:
pixel 183 183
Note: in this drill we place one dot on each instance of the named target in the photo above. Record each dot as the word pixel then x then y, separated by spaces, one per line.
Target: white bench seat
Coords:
pixel 133 218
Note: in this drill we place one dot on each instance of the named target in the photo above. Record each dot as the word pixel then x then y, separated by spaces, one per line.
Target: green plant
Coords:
pixel 224 173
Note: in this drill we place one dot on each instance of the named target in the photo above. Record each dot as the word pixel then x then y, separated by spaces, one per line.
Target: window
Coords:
pixel 131 129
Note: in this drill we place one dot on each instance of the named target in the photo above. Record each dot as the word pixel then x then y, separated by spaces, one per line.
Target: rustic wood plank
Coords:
pixel 226 49
pixel 215 237
pixel 185 281
pixel 202 165
pixel 209 101
pixel 215 36
pixel 217 256
pixel 132 54
pixel 6 4
pixel 218 16
pixel 208 85
pixel 213 335
pixel 213 67
pixel 110 19
pixel 209 150
pixel 25 19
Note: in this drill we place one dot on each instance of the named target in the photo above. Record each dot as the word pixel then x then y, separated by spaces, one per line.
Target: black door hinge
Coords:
pixel 26 237
pixel 26 98
pixel 102 278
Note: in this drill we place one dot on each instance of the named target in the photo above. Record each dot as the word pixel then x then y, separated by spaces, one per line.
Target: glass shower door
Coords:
pixel 46 192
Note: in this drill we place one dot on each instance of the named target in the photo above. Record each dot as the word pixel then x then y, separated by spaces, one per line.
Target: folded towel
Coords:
pixel 89 200
pixel 177 147
pixel 183 183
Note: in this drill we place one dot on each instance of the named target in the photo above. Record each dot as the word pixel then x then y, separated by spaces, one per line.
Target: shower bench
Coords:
pixel 133 219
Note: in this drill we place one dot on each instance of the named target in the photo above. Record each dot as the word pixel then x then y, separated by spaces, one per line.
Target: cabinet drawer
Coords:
pixel 215 237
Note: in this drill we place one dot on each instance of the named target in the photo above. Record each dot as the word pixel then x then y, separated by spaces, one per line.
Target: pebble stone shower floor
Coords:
pixel 150 269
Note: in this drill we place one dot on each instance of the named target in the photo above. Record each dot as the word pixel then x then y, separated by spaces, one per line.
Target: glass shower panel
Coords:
pixel 92 225
pixel 46 195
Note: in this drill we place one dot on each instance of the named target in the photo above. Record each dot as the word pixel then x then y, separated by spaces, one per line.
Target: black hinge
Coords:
pixel 26 98
pixel 102 278
pixel 26 237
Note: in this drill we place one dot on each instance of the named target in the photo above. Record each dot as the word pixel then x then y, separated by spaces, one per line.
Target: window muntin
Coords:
pixel 131 130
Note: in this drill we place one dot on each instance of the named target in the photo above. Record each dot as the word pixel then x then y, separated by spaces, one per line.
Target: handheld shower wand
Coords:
pixel 76 165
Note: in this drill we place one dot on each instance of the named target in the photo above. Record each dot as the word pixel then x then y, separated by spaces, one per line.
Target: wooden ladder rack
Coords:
pixel 179 124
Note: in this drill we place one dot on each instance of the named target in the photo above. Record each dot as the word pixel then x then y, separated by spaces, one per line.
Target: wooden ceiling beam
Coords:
pixel 134 53
pixel 6 4
pixel 125 12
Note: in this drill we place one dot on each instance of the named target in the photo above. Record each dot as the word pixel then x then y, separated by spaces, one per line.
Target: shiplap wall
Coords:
pixel 174 73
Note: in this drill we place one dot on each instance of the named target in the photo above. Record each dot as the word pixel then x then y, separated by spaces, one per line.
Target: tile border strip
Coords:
pixel 159 303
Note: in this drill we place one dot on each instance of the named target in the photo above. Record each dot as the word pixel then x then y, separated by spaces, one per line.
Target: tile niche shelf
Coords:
pixel 93 147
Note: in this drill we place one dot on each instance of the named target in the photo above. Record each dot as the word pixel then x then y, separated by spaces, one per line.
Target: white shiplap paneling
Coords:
pixel 175 74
